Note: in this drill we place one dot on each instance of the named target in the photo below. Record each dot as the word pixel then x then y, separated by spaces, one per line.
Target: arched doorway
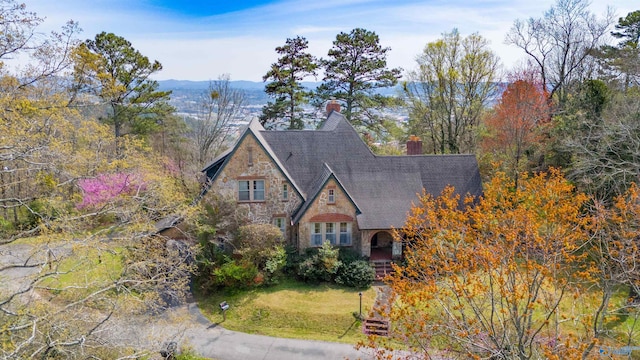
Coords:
pixel 381 245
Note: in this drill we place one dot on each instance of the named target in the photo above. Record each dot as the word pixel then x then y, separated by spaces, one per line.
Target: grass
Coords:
pixel 293 310
pixel 86 270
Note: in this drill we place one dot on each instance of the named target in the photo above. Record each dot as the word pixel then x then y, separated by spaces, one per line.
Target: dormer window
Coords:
pixel 331 196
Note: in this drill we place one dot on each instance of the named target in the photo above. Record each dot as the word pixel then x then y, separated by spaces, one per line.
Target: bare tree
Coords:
pixel 220 106
pixel 560 43
pixel 449 91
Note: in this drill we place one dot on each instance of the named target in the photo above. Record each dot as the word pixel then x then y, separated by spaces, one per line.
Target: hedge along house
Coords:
pixel 326 184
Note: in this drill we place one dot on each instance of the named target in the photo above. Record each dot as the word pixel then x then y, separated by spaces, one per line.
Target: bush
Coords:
pixel 276 261
pixel 348 255
pixel 319 265
pixel 358 274
pixel 293 260
pixel 235 275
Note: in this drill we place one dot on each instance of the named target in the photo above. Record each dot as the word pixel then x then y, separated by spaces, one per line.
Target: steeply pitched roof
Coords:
pixel 317 187
pixel 253 129
pixel 383 187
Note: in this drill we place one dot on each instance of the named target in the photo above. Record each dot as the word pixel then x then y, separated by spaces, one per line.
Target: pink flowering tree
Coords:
pixel 107 187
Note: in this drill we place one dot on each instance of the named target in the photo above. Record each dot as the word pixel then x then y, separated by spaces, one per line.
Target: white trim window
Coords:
pixel 251 190
pixel 330 233
pixel 331 196
pixel 280 223
pixel 285 192
pixel 316 234
pixel 345 234
pixel 321 232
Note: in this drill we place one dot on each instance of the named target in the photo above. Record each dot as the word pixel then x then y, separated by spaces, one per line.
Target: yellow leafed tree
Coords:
pixel 510 275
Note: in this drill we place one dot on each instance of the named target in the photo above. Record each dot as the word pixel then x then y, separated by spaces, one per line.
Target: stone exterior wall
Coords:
pixel 385 238
pixel 321 208
pixel 251 162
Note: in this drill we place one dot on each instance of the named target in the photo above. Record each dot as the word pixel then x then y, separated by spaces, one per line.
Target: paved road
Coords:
pixel 214 341
pixel 185 325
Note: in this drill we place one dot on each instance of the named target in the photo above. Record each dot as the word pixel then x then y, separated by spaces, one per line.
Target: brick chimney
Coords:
pixel 414 145
pixel 333 106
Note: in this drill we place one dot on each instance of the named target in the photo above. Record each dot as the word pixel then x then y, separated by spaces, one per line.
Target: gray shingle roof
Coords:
pixel 383 187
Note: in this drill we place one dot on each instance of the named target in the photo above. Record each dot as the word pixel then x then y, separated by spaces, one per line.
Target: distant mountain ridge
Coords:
pixel 204 84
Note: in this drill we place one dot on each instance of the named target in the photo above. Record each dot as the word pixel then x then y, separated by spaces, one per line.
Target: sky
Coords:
pixel 201 40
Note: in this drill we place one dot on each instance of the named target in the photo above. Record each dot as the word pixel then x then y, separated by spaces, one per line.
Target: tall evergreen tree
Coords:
pixel 622 62
pixel 355 69
pixel 110 68
pixel 293 66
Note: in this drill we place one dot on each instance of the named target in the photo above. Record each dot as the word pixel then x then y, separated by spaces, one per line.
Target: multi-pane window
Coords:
pixel 345 233
pixel 251 190
pixel 331 198
pixel 279 222
pixel 330 233
pixel 335 233
pixel 285 192
pixel 316 234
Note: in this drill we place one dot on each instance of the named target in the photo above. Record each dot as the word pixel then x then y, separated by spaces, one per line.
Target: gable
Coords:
pixel 249 148
pixel 323 208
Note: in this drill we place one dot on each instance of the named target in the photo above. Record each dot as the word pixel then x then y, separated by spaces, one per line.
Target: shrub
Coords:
pixel 256 242
pixel 235 275
pixel 319 265
pixel 358 274
pixel 293 260
pixel 348 255
pixel 275 264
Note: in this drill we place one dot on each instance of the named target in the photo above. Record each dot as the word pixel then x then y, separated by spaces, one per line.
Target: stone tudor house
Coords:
pixel 327 185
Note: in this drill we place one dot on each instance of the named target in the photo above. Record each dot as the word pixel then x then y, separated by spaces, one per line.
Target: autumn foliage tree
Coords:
pixel 506 276
pixel 513 125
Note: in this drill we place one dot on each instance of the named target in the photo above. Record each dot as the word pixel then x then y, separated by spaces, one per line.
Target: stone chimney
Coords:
pixel 333 106
pixel 414 145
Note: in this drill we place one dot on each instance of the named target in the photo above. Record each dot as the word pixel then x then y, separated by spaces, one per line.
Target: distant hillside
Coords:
pixel 191 90
pixel 203 85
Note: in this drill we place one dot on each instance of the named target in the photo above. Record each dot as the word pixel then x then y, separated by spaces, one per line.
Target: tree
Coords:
pixel 293 66
pixel 513 125
pixel 604 149
pixel 497 277
pixel 110 68
pixel 628 30
pixel 622 62
pixel 355 70
pixel 68 279
pixel 560 44
pixel 449 91
pixel 219 107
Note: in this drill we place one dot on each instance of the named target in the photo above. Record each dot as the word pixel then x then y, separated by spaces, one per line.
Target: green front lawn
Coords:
pixel 293 310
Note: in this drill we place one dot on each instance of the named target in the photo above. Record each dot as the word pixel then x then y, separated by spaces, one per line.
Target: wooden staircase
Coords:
pixel 382 268
pixel 374 326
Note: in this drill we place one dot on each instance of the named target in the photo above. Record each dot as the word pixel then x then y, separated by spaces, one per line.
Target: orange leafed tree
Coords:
pixel 512 128
pixel 506 276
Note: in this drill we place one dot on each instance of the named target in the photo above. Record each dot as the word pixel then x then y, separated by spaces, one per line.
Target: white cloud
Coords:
pixel 243 43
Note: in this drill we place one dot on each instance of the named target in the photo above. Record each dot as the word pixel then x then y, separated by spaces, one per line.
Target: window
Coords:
pixel 251 190
pixel 243 191
pixel 258 190
pixel 331 198
pixel 316 234
pixel 321 232
pixel 330 233
pixel 345 233
pixel 279 222
pixel 285 192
